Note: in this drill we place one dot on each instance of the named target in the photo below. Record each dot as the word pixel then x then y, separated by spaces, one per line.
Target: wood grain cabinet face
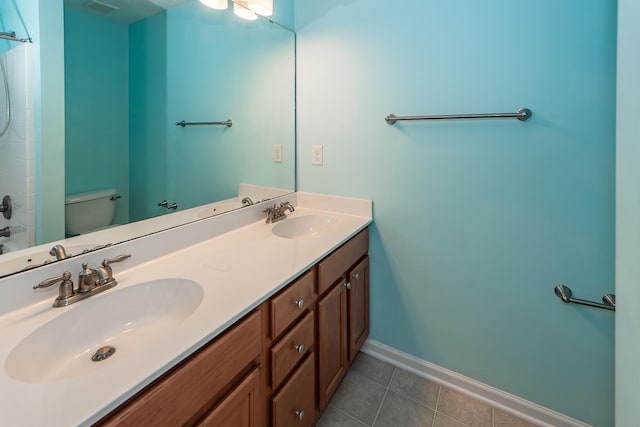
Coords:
pixel 294 404
pixel 332 341
pixel 292 348
pixel 358 297
pixel 184 394
pixel 292 303
pixel 343 312
pixel 241 408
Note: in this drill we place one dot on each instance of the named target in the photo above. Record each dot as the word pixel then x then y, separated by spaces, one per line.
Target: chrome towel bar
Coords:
pixel 11 36
pixel 564 293
pixel 523 114
pixel 227 123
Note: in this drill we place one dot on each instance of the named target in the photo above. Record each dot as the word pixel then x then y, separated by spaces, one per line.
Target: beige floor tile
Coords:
pixel 464 409
pixel 399 411
pixel 417 388
pixel 359 397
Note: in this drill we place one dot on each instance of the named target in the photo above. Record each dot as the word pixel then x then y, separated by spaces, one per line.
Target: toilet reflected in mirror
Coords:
pixel 91 211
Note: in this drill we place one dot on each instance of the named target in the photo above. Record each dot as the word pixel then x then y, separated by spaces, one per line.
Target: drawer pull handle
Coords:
pixel 347 285
pixel 299 303
pixel 300 414
pixel 356 276
pixel 300 348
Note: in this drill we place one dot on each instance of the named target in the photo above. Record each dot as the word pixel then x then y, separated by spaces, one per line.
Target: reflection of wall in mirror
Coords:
pixel 187 63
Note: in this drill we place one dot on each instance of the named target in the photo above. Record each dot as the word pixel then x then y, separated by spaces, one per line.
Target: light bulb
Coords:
pixel 240 8
pixel 261 7
pixel 216 4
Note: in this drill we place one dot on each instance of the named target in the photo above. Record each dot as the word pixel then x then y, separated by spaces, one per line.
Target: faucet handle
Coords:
pixel 66 286
pixel 53 280
pixel 108 261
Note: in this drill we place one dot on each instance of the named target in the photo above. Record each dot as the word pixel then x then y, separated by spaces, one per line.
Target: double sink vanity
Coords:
pixel 227 321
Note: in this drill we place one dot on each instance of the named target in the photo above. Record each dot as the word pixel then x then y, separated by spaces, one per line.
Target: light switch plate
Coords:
pixel 277 153
pixel 316 155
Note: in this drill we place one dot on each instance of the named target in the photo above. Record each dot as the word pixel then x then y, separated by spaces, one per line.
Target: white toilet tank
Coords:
pixel 86 212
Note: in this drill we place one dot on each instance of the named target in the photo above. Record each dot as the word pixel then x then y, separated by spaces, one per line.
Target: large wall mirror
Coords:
pixel 132 72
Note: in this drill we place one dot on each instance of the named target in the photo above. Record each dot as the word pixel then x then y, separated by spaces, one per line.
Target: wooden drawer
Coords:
pixel 294 405
pixel 241 408
pixel 182 396
pixel 335 265
pixel 291 303
pixel 291 349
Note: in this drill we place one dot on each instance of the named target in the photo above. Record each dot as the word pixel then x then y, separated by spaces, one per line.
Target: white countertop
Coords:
pixel 237 271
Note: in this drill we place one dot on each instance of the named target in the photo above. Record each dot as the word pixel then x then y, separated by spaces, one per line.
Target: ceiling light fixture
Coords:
pixel 241 8
pixel 216 4
pixel 261 7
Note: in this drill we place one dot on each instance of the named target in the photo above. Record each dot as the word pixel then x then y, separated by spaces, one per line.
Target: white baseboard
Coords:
pixel 502 400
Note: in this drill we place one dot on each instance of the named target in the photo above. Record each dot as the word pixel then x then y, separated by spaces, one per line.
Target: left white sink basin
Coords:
pixel 127 319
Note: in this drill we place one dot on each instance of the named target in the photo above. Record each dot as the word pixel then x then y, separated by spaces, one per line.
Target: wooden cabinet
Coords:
pixel 295 403
pixel 186 393
pixel 291 303
pixel 343 312
pixel 358 293
pixel 292 401
pixel 332 342
pixel 279 365
pixel 291 349
pixel 241 408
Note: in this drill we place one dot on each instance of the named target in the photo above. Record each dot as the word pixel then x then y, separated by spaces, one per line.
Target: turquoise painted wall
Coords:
pixel 13 17
pixel 229 69
pixel 147 109
pixel 50 130
pixel 628 217
pixel 475 222
pixel 97 107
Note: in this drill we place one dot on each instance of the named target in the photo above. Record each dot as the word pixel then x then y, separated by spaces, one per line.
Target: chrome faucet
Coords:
pixel 58 252
pixel 277 213
pixel 247 201
pixel 91 281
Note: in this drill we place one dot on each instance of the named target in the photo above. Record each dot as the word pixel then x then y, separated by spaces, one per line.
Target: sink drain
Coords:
pixel 103 353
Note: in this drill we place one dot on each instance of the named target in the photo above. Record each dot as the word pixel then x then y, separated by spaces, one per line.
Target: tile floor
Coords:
pixel 377 394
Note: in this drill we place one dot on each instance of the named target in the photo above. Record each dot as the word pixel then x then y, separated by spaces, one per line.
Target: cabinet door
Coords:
pixel 241 408
pixel 332 341
pixel 358 296
pixel 294 405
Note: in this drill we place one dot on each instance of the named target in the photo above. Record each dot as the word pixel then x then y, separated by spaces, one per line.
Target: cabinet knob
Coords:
pixel 299 303
pixel 347 285
pixel 356 276
pixel 300 348
pixel 300 414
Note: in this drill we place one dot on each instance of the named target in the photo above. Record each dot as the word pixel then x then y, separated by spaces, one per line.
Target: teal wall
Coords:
pixel 628 217
pixel 475 222
pixel 13 17
pixel 197 64
pixel 50 130
pixel 229 69
pixel 148 116
pixel 190 63
pixel 97 107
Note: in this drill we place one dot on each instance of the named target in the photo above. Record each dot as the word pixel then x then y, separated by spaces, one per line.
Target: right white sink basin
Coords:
pixel 304 227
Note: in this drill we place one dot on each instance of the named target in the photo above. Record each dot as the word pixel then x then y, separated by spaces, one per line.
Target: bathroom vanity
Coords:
pixel 263 322
pixel 264 366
